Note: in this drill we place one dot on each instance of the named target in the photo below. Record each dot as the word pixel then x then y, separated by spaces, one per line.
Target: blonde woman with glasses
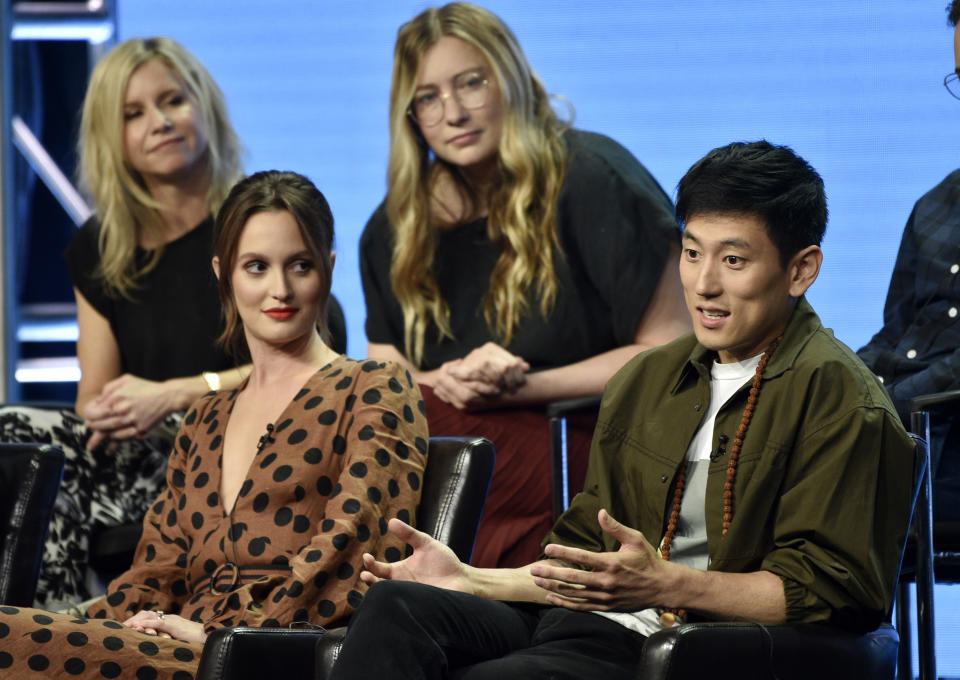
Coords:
pixel 157 156
pixel 515 261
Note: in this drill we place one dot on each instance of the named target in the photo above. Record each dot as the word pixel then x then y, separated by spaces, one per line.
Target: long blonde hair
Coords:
pixel 531 164
pixel 117 190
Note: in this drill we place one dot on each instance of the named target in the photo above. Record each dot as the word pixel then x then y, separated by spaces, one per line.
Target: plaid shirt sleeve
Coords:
pixel 918 349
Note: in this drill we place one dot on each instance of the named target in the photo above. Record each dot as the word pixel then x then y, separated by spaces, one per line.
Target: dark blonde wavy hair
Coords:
pixel 531 164
pixel 263 191
pixel 118 191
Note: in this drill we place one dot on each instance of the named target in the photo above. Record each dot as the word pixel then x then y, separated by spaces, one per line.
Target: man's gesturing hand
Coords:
pixel 631 579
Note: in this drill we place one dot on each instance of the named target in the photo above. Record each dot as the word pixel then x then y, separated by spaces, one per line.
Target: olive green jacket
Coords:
pixel 823 485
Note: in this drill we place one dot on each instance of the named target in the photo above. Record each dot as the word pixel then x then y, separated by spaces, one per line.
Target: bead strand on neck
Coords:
pixel 669 616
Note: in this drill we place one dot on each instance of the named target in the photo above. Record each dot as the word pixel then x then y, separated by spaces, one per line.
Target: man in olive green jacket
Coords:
pixel 822 487
pixel 759 454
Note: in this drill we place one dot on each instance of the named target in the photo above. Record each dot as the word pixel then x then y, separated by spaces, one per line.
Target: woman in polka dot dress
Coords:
pixel 275 489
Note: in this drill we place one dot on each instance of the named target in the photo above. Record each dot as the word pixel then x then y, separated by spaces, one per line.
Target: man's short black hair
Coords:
pixel 762 179
pixel 953 12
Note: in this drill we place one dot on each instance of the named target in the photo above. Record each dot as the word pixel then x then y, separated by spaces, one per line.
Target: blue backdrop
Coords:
pixel 855 87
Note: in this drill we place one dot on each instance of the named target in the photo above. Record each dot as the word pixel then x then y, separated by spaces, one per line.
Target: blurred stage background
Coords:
pixel 855 87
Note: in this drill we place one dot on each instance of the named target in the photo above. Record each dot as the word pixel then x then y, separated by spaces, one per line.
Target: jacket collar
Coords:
pixel 803 324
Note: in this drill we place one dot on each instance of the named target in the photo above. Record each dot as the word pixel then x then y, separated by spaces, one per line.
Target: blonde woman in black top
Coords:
pixel 157 156
pixel 513 262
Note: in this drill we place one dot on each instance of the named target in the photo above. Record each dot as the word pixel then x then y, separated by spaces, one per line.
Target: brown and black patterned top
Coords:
pixel 346 455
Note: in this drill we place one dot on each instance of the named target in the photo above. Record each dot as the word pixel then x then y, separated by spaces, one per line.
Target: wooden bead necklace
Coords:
pixel 669 616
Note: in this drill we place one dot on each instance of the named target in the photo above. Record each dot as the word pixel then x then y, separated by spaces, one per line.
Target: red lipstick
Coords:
pixel 281 313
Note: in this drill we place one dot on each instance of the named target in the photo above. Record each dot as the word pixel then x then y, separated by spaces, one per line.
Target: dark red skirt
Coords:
pixel 518 513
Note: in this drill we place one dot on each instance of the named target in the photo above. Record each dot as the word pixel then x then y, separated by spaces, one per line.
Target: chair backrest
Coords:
pixel 337 325
pixel 455 486
pixel 29 480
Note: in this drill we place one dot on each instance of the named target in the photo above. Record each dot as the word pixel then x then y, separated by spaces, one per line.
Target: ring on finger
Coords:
pixel 160 615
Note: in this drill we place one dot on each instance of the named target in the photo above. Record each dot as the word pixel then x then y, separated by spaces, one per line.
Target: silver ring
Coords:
pixel 160 615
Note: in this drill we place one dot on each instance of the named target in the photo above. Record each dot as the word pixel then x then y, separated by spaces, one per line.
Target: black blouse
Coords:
pixel 170 327
pixel 615 224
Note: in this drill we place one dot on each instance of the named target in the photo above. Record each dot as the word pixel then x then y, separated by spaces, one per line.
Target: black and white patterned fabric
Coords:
pixel 100 488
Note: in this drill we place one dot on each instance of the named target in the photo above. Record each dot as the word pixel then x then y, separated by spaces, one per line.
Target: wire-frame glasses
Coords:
pixel 470 90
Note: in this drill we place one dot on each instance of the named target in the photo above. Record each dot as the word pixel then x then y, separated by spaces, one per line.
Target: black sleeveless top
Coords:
pixel 170 327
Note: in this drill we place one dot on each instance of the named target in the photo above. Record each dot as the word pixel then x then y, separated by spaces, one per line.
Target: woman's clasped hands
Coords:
pixel 127 408
pixel 482 378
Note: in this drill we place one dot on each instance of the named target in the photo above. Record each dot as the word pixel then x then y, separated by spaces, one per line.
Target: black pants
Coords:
pixel 410 630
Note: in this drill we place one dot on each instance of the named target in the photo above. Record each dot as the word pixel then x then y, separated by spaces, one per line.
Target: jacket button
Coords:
pixel 955 268
pixel 697 406
pixel 911 354
pixel 952 312
pixel 663 479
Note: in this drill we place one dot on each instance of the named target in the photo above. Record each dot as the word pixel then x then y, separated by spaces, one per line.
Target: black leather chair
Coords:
pixel 933 551
pixel 454 490
pixel 29 480
pixel 748 651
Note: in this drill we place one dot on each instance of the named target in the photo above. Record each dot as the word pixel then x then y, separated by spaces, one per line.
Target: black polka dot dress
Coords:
pixel 346 455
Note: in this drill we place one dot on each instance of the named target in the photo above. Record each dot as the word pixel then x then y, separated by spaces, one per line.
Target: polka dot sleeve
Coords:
pixel 157 578
pixel 364 463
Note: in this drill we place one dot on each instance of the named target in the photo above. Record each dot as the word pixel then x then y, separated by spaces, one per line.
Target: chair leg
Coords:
pixel 926 638
pixel 905 651
pixel 926 642
pixel 558 449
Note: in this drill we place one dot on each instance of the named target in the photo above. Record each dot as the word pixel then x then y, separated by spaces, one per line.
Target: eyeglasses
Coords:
pixel 469 89
pixel 951 81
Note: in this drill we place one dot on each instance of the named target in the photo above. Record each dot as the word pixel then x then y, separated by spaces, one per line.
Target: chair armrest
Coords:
pixel 257 653
pixel 937 401
pixel 747 651
pixel 557 412
pixel 562 407
pixel 328 649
